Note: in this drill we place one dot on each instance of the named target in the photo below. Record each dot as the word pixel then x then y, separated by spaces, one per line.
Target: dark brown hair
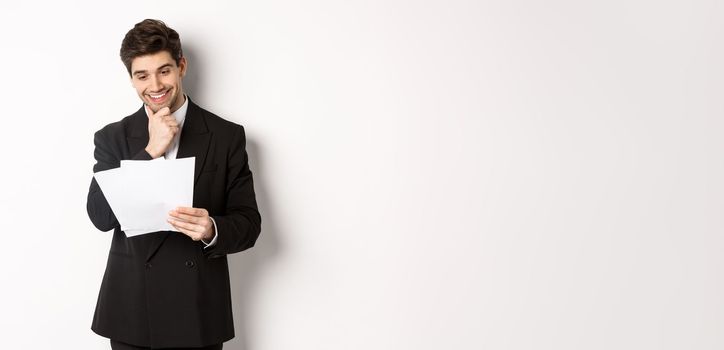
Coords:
pixel 148 37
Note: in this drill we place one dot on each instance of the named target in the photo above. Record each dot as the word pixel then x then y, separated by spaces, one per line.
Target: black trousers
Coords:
pixel 116 345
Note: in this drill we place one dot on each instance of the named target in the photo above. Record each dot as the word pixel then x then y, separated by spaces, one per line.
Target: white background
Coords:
pixel 431 174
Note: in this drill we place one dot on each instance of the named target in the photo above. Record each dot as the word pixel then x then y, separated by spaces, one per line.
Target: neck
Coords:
pixel 179 102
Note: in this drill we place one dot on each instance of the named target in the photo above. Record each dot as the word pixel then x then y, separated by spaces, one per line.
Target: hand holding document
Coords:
pixel 141 192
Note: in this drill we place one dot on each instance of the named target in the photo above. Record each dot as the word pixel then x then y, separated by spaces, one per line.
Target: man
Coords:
pixel 169 289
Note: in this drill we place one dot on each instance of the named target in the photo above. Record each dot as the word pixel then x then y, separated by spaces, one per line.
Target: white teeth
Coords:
pixel 157 96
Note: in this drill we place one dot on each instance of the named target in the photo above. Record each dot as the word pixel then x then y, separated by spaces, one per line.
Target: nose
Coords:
pixel 156 83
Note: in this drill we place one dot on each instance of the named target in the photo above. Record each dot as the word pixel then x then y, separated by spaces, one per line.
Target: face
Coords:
pixel 157 80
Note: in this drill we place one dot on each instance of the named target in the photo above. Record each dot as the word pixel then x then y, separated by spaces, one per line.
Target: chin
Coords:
pixel 155 108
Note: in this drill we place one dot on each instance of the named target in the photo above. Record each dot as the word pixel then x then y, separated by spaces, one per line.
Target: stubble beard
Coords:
pixel 170 103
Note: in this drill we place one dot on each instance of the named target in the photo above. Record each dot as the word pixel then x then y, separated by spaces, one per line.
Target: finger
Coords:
pixel 192 211
pixel 163 112
pixel 199 220
pixel 186 225
pixel 191 234
pixel 168 120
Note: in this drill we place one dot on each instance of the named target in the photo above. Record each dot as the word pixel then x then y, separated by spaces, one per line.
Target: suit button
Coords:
pixel 189 264
pixel 148 265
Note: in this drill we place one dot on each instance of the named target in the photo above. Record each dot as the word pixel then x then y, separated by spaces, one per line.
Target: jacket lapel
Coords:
pixel 195 138
pixel 137 133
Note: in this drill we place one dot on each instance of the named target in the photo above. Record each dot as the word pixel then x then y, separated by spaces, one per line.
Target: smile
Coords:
pixel 158 97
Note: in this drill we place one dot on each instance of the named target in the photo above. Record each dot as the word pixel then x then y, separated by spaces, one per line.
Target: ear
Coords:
pixel 182 66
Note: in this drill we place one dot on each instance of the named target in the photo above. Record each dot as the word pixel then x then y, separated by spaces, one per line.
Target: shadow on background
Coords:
pixel 246 267
pixel 193 84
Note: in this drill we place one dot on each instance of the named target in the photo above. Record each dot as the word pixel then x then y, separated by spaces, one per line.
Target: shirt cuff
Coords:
pixel 216 235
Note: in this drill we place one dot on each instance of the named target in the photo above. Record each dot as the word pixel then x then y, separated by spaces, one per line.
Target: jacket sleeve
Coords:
pixel 239 228
pixel 106 157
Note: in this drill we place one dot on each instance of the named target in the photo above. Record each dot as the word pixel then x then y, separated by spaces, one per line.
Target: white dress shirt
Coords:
pixel 180 115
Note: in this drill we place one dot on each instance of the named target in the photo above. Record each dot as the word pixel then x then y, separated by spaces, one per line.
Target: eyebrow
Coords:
pixel 157 69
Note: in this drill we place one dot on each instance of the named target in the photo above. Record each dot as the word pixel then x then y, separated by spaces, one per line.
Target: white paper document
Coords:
pixel 141 192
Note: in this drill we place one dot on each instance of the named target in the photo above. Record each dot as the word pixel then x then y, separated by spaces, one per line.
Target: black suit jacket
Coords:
pixel 164 289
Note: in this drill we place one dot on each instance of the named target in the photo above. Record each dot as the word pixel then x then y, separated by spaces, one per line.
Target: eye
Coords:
pixel 141 77
pixel 165 72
